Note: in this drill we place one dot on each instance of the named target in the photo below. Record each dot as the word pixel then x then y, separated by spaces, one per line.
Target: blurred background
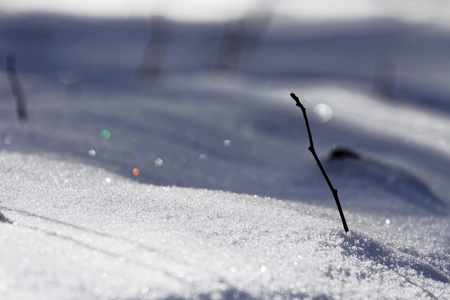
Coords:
pixel 193 93
pixel 375 37
pixel 202 10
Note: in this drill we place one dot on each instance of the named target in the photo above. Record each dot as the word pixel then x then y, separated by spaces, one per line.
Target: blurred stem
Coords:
pixel 16 87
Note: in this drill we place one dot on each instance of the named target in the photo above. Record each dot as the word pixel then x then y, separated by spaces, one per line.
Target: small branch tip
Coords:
pixel 295 98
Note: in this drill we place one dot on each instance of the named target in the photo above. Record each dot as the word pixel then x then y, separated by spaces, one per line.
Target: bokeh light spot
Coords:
pixel 324 112
pixel 135 171
pixel 106 134
pixel 158 162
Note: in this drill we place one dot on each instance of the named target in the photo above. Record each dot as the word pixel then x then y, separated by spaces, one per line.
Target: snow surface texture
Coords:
pixel 78 232
pixel 228 203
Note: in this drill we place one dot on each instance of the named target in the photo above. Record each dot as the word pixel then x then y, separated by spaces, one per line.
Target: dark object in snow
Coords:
pixel 244 35
pixel 389 178
pixel 156 50
pixel 313 152
pixel 16 87
pixel 3 218
pixel 342 153
pixel 384 78
pixel 231 47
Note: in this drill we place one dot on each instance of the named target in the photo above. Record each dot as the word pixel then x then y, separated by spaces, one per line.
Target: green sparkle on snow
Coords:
pixel 106 134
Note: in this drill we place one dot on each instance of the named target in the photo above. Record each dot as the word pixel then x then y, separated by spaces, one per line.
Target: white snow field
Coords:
pixel 176 179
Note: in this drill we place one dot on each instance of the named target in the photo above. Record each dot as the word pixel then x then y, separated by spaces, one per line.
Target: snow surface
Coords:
pixel 228 202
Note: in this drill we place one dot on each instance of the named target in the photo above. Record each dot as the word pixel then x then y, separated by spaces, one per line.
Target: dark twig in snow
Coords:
pixel 245 35
pixel 313 151
pixel 156 51
pixel 16 87
pixel 384 80
pixel 3 218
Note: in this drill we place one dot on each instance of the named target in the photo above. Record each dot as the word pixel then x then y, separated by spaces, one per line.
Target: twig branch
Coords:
pixel 313 152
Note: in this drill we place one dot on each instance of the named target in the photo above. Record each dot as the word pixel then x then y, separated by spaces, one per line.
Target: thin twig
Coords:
pixel 313 152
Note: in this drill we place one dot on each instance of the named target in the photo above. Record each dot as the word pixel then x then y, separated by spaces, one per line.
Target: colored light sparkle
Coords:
pixel 135 171
pixel 106 134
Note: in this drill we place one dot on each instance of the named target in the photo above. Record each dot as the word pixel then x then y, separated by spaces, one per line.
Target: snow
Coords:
pixel 75 235
pixel 199 185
